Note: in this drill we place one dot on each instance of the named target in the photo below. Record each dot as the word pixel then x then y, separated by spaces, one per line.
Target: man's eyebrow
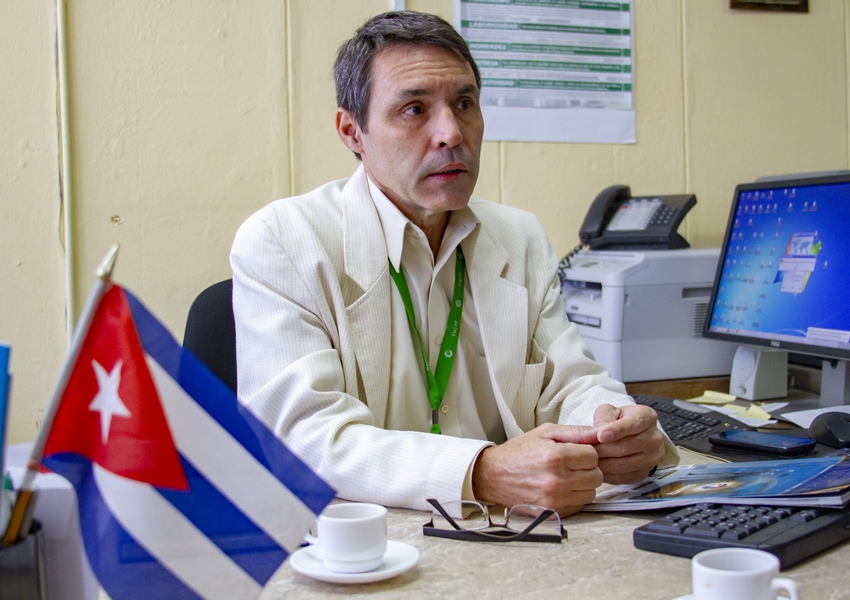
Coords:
pixel 414 93
pixel 468 88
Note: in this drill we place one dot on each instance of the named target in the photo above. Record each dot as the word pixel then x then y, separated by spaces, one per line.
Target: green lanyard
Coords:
pixel 437 384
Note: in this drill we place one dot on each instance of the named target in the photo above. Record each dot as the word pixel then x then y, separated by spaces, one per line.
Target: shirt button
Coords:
pixel 439 340
pixel 444 408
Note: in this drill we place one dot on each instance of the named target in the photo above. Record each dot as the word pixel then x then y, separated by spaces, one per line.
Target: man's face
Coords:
pixel 425 128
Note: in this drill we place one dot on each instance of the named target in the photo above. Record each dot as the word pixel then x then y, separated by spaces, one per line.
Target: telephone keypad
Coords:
pixel 664 215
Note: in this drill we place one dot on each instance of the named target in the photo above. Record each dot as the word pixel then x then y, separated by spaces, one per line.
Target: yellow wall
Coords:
pixel 186 116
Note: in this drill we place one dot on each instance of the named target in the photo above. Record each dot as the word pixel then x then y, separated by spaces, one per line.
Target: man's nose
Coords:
pixel 447 129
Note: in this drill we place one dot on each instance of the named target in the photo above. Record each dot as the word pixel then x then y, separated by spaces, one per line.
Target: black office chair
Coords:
pixel 211 331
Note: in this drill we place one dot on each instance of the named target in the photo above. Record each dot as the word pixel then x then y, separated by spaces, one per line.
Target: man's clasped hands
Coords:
pixel 561 466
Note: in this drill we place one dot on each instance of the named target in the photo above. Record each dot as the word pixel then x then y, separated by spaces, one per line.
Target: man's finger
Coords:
pixel 573 434
pixel 605 414
pixel 633 421
pixel 575 459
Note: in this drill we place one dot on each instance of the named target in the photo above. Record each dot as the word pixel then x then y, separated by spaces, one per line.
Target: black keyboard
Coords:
pixel 792 534
pixel 681 424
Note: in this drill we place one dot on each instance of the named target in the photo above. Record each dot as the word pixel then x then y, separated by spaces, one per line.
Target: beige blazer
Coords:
pixel 312 293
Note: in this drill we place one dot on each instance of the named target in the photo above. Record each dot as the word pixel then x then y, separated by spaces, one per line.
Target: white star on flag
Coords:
pixel 107 401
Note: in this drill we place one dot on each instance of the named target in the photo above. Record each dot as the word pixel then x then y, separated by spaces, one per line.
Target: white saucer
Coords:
pixel 399 558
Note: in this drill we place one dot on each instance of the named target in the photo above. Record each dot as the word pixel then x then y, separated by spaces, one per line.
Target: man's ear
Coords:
pixel 349 132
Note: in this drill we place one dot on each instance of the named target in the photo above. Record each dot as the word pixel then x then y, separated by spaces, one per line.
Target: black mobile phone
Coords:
pixel 769 443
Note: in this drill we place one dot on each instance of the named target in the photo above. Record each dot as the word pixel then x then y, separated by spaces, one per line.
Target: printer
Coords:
pixel 642 313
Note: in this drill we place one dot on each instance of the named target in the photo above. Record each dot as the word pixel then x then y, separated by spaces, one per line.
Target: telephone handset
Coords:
pixel 616 220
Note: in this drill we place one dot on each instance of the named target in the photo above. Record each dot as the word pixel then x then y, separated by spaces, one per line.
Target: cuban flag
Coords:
pixel 182 492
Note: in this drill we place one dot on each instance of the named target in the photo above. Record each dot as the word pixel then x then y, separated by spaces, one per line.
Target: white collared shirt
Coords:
pixel 469 407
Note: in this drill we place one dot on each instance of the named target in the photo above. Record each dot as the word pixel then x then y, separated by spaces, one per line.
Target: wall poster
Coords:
pixel 553 70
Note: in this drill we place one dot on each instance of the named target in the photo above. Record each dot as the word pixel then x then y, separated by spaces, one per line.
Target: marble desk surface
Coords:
pixel 598 561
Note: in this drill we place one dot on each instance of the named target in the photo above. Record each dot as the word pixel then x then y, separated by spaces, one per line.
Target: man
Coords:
pixel 408 341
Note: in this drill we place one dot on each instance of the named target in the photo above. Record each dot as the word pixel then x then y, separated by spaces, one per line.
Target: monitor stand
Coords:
pixel 834 392
pixel 834 383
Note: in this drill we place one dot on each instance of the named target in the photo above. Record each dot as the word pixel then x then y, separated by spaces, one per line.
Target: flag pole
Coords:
pixel 21 519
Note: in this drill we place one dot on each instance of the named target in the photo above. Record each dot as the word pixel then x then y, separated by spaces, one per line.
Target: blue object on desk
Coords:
pixel 4 403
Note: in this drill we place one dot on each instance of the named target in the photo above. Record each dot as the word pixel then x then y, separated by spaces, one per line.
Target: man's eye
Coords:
pixel 413 110
pixel 465 104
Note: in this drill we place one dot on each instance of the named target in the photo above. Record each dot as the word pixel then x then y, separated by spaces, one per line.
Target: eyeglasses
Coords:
pixel 523 523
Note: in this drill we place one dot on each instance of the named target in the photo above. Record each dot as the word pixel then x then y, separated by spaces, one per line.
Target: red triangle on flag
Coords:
pixel 110 411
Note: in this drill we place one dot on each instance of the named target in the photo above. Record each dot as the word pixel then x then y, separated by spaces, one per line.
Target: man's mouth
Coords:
pixel 451 170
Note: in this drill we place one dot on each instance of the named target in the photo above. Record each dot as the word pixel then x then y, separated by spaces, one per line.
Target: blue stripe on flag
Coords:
pixel 222 405
pixel 122 566
pixel 226 526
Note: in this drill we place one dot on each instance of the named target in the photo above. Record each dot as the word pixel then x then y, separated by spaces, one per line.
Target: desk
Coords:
pixel 598 561
pixel 679 388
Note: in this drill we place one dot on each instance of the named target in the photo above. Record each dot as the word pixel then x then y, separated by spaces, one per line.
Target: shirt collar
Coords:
pixel 461 223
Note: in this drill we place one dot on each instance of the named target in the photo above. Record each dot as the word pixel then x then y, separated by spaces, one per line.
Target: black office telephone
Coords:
pixel 616 220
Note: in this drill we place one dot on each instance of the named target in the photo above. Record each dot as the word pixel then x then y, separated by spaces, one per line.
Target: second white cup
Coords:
pixel 352 537
pixel 725 573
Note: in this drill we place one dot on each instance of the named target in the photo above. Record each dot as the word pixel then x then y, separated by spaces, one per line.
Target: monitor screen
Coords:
pixel 783 279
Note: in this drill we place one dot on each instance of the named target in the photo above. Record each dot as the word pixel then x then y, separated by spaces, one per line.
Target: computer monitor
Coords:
pixel 783 277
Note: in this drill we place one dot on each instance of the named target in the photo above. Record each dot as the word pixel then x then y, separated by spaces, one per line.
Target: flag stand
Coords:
pixel 21 518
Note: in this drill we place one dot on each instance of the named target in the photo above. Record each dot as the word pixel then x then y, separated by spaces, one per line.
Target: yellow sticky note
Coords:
pixel 711 397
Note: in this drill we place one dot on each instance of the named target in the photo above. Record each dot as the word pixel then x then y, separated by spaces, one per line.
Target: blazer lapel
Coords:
pixel 366 290
pixel 503 319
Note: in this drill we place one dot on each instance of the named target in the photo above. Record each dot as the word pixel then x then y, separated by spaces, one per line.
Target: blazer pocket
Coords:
pixel 530 386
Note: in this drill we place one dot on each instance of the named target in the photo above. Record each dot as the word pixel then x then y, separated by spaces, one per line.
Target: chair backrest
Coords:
pixel 211 331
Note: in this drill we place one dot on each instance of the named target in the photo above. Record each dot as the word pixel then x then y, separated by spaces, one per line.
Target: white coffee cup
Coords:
pixel 352 537
pixel 726 573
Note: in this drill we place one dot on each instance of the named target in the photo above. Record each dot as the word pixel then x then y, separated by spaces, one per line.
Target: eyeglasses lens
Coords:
pixel 469 516
pixel 522 515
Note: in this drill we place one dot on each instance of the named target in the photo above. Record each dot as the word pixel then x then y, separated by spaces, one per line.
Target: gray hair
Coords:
pixel 353 66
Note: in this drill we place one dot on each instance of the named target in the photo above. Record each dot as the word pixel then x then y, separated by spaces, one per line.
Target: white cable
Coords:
pixel 65 167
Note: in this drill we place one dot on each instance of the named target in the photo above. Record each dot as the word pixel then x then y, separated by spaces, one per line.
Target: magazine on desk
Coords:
pixel 821 481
